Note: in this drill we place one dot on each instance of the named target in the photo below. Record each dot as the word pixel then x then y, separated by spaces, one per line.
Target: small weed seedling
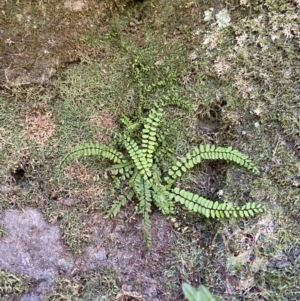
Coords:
pixel 146 181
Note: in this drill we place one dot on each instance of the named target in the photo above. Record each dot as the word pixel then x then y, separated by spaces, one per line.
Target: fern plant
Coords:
pixel 147 183
pixel 199 294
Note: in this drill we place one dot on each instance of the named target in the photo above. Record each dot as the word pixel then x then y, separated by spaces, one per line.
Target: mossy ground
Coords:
pixel 242 86
pixel 12 284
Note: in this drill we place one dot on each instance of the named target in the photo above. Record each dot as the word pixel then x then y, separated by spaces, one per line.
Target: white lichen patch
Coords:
pixel 75 5
pixel 221 66
pixel 211 40
pixel 208 15
pixel 223 18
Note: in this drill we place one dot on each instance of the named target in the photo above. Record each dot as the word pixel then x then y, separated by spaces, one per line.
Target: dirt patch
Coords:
pixel 36 39
pixel 39 126
pixel 141 271
pixel 34 248
pixel 107 123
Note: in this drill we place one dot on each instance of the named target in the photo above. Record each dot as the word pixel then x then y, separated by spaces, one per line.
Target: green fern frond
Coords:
pixel 124 170
pixel 138 157
pixel 118 204
pixel 126 121
pixel 149 133
pixel 116 182
pixel 147 235
pixel 214 209
pixel 91 149
pixel 130 126
pixel 163 200
pixel 142 189
pixel 208 152
pixel 172 98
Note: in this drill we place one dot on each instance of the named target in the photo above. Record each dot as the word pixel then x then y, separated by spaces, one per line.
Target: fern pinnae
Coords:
pixel 211 152
pixel 163 199
pixel 208 152
pixel 91 149
pixel 137 156
pixel 149 133
pixel 143 191
pixel 144 208
pixel 125 169
pixel 118 204
pixel 214 209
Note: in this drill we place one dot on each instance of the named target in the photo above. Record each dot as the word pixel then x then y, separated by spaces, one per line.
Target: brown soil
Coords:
pixel 34 247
